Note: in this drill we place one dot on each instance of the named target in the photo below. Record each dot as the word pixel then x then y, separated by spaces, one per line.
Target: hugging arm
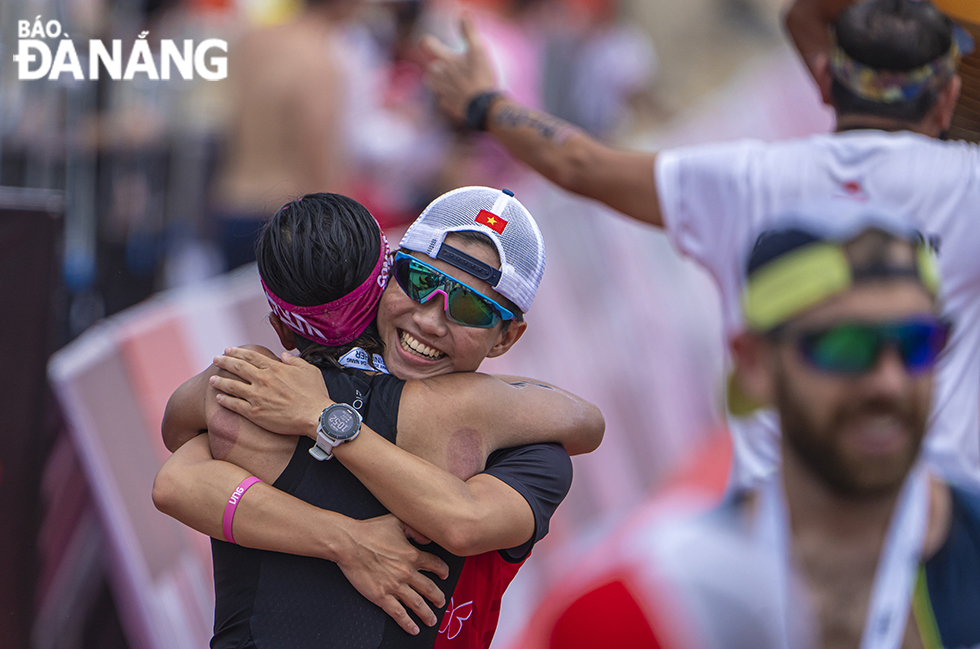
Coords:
pixel 527 411
pixel 287 398
pixel 452 421
pixel 374 554
pixel 291 523
pixel 505 507
pixel 450 424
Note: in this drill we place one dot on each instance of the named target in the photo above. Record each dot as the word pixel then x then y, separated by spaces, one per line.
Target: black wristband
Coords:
pixel 478 110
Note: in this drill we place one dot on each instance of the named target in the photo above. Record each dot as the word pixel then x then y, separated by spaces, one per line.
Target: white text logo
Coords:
pixel 35 59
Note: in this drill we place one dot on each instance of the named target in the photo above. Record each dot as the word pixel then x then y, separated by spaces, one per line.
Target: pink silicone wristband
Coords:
pixel 236 497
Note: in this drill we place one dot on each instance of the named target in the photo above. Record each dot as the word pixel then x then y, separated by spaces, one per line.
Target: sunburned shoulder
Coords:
pixel 225 426
pixel 265 351
pixel 265 52
pixel 237 440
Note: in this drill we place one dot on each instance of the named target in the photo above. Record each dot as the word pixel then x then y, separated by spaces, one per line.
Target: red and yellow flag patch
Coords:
pixel 492 221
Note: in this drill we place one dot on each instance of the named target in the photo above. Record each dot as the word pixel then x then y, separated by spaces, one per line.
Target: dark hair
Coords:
pixel 867 251
pixel 485 241
pixel 773 244
pixel 893 35
pixel 316 250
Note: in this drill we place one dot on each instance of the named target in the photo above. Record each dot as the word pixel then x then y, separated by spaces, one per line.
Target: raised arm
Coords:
pixel 624 180
pixel 808 23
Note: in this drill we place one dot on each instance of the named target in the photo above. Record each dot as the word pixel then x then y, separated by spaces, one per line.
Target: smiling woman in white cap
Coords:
pixel 487 235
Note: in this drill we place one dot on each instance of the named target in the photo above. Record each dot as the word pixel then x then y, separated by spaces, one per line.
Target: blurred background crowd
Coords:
pixel 119 190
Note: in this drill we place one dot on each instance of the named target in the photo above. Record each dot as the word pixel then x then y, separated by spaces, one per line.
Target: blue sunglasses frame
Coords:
pixel 918 341
pixel 450 286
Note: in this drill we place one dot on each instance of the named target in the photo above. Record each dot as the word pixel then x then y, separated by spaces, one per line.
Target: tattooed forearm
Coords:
pixel 548 127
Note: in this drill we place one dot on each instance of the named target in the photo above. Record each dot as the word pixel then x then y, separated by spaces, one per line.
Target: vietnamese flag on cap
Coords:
pixel 492 221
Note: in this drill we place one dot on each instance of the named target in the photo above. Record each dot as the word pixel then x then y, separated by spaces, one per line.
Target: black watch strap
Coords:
pixel 478 110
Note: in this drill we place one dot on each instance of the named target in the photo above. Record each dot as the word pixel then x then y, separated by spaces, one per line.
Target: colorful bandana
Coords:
pixel 890 86
pixel 341 321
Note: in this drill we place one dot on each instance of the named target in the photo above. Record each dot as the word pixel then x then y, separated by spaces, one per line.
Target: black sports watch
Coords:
pixel 478 110
pixel 339 423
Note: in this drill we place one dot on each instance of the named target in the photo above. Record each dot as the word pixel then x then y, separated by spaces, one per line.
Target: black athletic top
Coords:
pixel 269 600
pixel 949 588
pixel 542 474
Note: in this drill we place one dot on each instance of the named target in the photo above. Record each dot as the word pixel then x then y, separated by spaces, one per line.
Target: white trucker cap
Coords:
pixel 500 216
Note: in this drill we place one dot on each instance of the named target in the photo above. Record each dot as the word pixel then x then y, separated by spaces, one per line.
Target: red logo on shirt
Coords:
pixel 452 621
pixel 854 191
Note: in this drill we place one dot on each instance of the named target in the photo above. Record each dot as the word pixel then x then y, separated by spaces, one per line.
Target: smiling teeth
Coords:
pixel 410 344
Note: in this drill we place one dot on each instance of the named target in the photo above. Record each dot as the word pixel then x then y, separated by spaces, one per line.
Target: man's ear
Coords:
pixel 753 371
pixel 286 336
pixel 824 77
pixel 507 339
pixel 946 103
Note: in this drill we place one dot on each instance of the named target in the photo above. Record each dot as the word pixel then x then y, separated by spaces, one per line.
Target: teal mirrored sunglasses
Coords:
pixel 464 304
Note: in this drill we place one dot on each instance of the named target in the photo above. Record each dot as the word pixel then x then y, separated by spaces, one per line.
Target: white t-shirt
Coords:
pixel 716 199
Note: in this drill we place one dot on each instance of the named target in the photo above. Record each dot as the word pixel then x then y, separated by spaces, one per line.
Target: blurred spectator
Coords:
pixel 854 523
pixel 155 145
pixel 196 117
pixel 133 156
pixel 596 66
pixel 288 132
pixel 398 143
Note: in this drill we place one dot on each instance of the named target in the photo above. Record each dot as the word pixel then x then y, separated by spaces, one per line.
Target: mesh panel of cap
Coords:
pixel 520 245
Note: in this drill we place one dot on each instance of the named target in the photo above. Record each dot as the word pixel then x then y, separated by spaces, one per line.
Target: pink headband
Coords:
pixel 341 321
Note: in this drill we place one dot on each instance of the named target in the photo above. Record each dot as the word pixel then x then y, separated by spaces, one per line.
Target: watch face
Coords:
pixel 341 423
